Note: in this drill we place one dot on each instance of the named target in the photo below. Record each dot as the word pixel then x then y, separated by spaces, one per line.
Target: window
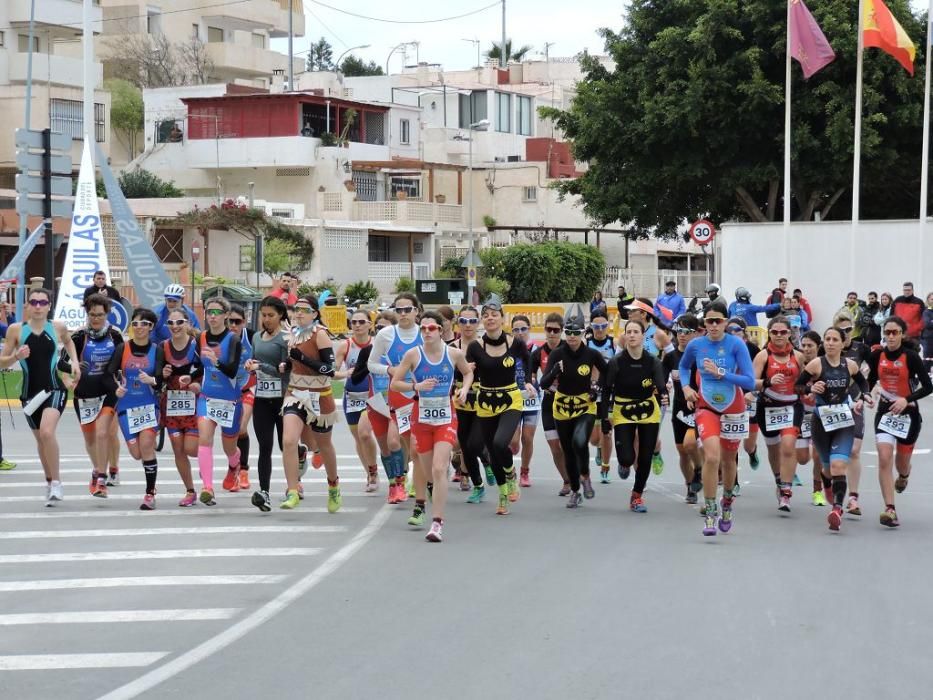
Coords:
pixel 524 116
pixel 282 213
pixel 259 41
pixel 529 194
pixel 411 186
pixel 247 255
pixel 378 248
pixel 168 244
pixel 67 117
pixel 24 43
pixel 472 108
pixel 404 131
pixel 154 20
pixel 2 39
pixel 215 35
pixel 195 31
pixel 503 112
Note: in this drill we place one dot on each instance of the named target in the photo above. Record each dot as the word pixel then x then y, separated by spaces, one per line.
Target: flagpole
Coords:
pixel 925 156
pixel 787 145
pixel 857 147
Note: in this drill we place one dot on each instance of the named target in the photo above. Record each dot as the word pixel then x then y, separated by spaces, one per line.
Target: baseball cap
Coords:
pixel 640 306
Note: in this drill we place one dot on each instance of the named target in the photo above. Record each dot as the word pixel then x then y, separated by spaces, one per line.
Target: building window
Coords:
pixel 503 112
pixel 282 213
pixel 529 194
pixel 524 116
pixel 215 35
pixel 67 117
pixel 168 244
pixel 259 41
pixel 405 131
pixel 472 108
pixel 378 248
pixel 247 255
pixel 195 31
pixel 2 39
pixel 154 20
pixel 411 186
pixel 24 43
pixel 366 187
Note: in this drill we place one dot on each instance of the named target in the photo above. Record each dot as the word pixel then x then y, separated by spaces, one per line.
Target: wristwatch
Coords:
pixel 721 371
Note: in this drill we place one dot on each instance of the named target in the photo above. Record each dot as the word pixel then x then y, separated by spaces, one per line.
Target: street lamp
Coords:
pixel 396 48
pixel 354 48
pixel 481 125
pixel 477 43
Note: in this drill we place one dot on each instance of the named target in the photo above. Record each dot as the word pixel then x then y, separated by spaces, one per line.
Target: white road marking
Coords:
pixel 108 616
pixel 159 554
pixel 40 662
pixel 31 483
pixel 156 531
pixel 51 513
pixel 137 581
pixel 917 451
pixel 219 457
pixel 240 629
pixel 73 496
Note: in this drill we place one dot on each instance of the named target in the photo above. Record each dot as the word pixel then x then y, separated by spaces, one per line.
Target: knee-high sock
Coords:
pixel 242 444
pixel 151 467
pixel 206 466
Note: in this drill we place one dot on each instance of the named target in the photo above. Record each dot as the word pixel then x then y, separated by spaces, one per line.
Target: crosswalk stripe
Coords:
pixel 156 531
pixel 40 662
pixel 108 616
pixel 159 554
pixel 139 581
pixel 52 514
pixel 220 457
pixel 162 496
pixel 31 483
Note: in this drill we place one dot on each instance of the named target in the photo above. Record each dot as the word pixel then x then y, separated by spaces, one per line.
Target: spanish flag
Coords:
pixel 882 31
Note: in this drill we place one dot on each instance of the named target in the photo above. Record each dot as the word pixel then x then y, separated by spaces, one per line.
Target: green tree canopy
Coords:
pixel 353 67
pixel 126 111
pixel 320 56
pixel 495 51
pixel 689 119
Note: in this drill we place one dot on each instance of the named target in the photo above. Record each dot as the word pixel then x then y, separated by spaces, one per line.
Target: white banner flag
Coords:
pixel 86 251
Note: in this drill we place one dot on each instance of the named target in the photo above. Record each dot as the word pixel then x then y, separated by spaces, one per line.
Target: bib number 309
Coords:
pixel 734 426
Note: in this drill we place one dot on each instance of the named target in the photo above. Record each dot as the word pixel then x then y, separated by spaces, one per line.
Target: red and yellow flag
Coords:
pixel 884 32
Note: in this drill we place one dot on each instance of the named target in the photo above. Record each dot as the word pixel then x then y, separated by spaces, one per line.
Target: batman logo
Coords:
pixel 494 402
pixel 645 383
pixel 508 361
pixel 571 406
pixel 583 370
pixel 636 411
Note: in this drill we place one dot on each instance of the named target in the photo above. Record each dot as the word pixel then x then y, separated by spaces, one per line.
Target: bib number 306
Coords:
pixel 434 410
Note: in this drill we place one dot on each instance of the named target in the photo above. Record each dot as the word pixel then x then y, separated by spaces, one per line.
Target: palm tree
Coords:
pixel 517 55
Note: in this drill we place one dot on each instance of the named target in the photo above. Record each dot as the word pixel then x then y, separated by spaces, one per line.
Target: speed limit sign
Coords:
pixel 702 232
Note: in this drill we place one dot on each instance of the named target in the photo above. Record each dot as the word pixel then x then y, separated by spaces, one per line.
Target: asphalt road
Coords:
pixel 102 600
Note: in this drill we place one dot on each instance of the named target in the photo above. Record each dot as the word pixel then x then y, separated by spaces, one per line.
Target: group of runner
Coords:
pixel 424 397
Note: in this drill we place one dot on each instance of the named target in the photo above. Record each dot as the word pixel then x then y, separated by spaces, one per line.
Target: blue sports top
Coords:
pixel 730 353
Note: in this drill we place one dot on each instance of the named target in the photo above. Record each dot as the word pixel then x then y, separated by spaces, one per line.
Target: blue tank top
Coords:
pixel 97 353
pixel 729 353
pixel 216 384
pixel 137 393
pixel 607 349
pixel 246 353
pixel 353 354
pixel 443 372
pixel 397 350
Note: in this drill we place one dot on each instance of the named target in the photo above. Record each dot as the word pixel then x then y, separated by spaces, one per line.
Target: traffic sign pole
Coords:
pixel 47 210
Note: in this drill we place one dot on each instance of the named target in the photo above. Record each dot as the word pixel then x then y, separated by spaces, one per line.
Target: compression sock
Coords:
pixel 233 460
pixel 242 444
pixel 839 490
pixel 387 465
pixel 151 467
pixel 206 466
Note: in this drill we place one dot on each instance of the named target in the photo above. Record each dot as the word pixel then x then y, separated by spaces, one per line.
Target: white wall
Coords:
pixel 826 260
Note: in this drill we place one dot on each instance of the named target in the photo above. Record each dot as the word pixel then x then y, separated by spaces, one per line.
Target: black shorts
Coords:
pixel 547 412
pixel 912 433
pixel 760 418
pixel 57 400
pixel 295 410
pixel 681 429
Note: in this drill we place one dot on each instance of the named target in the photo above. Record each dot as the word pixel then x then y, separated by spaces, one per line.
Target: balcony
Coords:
pixel 281 151
pixel 244 59
pixel 340 206
pixel 51 13
pixel 280 28
pixel 57 70
pixel 389 272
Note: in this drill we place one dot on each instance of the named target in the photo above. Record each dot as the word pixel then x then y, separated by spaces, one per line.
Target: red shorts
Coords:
pixel 426 436
pixel 248 397
pixel 708 422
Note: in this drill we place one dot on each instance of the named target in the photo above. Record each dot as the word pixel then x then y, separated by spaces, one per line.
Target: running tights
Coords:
pixel 647 434
pixel 267 421
pixel 242 443
pixel 497 433
pixel 574 436
pixel 471 444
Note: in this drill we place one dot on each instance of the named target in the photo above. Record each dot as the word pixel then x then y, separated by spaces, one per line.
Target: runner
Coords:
pixel 633 383
pixel 570 367
pixel 238 478
pixel 810 345
pixel 434 424
pixel 603 343
pixel 723 370
pixel 683 419
pixel 737 326
pixel 95 396
pixel 468 435
pixel 270 353
pixel 524 438
pixel 138 386
pixel 181 372
pixel 174 299
pixel 829 379
pixel 36 344
pixel 859 352
pixel 309 404
pixel 553 325
pixel 896 369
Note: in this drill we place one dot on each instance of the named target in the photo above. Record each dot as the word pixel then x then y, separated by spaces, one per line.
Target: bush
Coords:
pixel 316 289
pixel 452 267
pixel 493 285
pixel 362 289
pixel 555 271
pixel 405 284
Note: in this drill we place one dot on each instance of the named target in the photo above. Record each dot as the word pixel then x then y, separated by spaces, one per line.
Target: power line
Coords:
pixel 331 31
pixel 406 21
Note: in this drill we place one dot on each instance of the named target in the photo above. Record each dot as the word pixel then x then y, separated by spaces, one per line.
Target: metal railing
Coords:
pixel 650 283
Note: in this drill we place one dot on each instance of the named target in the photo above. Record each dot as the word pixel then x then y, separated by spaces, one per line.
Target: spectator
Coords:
pixel 804 304
pixel 926 337
pixel 853 307
pixel 671 304
pixel 871 334
pixel 597 303
pixel 882 312
pixel 287 289
pixel 100 286
pixel 624 300
pixel 174 299
pixel 747 311
pixel 776 297
pixel 910 308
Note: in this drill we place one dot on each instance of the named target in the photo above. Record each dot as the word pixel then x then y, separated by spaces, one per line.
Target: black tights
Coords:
pixel 647 434
pixel 471 444
pixel 497 433
pixel 574 436
pixel 267 421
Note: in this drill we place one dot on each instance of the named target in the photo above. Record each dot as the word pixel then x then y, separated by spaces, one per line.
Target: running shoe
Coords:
pixel 599 457
pixel 56 493
pixel 503 508
pixel 900 483
pixel 753 460
pixel 490 477
pixel 455 477
pixel 207 497
pixel 435 534
pixel 797 481
pixel 514 489
pixel 291 500
pixel 657 463
pixel 334 499
pixel 819 499
pixel 100 488
pixel 587 485
pixel 113 479
pixel 301 491
pixel 852 507
pixel 417 517
pixel 410 492
pixel 302 460
pixel 372 482
pixel 889 518
pixel 92 486
pixel 691 497
pixel 232 480
pixel 477 495
pixel 524 479
pixel 148 502
pixel 725 522
pixel 6 465
pixel 391 497
pixel 624 471
pixel 244 480
pixel 737 489
pixel 564 490
pixel 709 522
pixel 604 476
pixel 575 500
pixel 188 500
pixel 261 500
pixel 465 483
pixel 316 460
pixel 697 484
pixel 784 502
pixel 835 518
pixel 636 504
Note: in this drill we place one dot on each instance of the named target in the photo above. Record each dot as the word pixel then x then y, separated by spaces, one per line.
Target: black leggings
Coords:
pixel 267 420
pixel 647 433
pixel 574 436
pixel 497 433
pixel 471 444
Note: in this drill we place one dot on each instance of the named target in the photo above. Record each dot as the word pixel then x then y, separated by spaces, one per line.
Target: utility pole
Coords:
pixel 291 68
pixel 503 59
pixel 21 284
pixel 87 46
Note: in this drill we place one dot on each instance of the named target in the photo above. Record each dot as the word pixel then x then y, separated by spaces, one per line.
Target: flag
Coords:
pixel 881 30
pixel 808 44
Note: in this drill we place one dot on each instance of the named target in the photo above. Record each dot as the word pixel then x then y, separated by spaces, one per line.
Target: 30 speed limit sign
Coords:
pixel 702 232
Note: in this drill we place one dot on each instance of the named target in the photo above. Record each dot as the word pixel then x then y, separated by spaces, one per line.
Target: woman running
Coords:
pixel 896 370
pixel 219 404
pixel 181 373
pixel 95 395
pixel 829 379
pixel 859 352
pixel 238 478
pixel 780 413
pixel 468 435
pixel 36 344
pixel 309 402
pixel 683 420
pixel 270 353
pixel 603 343
pixel 553 325
pixel 723 371
pixel 138 386
pixel 737 326
pixel 634 384
pixel 434 424
pixel 810 346
pixel 524 438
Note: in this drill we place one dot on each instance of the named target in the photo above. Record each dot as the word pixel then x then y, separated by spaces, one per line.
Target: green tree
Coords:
pixel 320 56
pixel 141 184
pixel 278 255
pixel 126 111
pixel 352 67
pixel 495 51
pixel 689 120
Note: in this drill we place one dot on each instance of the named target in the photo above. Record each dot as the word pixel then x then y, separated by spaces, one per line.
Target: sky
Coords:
pixel 571 26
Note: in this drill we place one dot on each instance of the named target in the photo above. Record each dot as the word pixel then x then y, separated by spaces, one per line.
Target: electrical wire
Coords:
pixel 406 21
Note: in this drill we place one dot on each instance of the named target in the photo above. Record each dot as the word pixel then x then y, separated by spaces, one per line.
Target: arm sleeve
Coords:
pixel 115 361
pixel 860 381
pixel 552 368
pixel 745 377
pixel 660 381
pixel 607 382
pixel 599 362
pixel 379 346
pixel 159 362
pixel 361 370
pixel 231 367
pixel 803 379
pixel 535 363
pixel 873 368
pixel 916 368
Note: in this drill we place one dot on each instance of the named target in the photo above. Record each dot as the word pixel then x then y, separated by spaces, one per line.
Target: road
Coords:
pixel 100 600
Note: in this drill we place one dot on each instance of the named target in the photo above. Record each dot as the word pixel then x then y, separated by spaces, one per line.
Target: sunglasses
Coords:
pixel 215 312
pixel 380 326
pixel 303 309
pixel 98 315
pixel 599 326
pixel 172 298
pixel 358 322
pixel 176 322
pixel 38 302
pixel 431 328
pixel 140 324
pixel 780 333
pixel 404 309
pixel 467 321
pixel 844 329
pixel 551 329
pixel 735 329
pixel 892 332
pixel 519 329
pixel 685 331
pixel 572 334
pixel 713 321
pixel 234 321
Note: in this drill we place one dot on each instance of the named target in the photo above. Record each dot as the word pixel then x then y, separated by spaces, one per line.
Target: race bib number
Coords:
pixel 734 426
pixel 779 417
pixel 403 418
pixel 898 426
pixel 752 406
pixel 89 409
pixel 141 418
pixel 268 387
pixel 179 403
pixel 836 416
pixel 221 412
pixel 356 401
pixel 433 410
pixel 806 427
pixel 531 403
pixel 689 420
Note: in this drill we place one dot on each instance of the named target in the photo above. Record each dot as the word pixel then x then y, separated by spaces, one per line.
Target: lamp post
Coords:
pixel 396 48
pixel 476 42
pixel 354 48
pixel 481 125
